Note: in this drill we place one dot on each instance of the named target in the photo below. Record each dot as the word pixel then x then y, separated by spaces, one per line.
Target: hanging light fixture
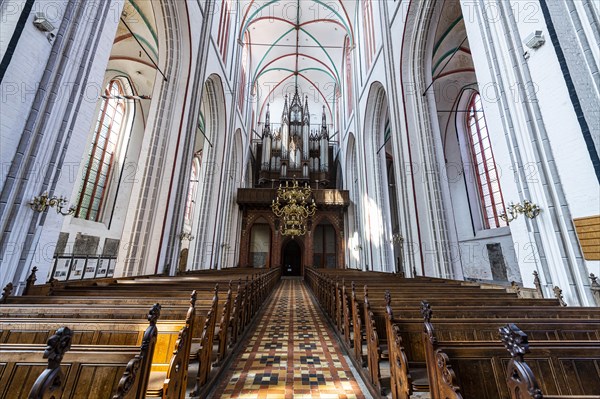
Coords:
pixel 293 205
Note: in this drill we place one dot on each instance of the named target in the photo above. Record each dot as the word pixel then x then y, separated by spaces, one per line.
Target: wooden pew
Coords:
pixel 168 378
pixel 174 341
pixel 405 339
pixel 116 307
pixel 204 351
pixel 556 369
pixel 220 325
pixel 336 301
pixel 169 381
pixel 103 331
pixel 84 371
pixel 374 333
pixel 112 307
pixel 479 326
pixel 257 288
pixel 478 336
pixel 364 319
pixel 521 379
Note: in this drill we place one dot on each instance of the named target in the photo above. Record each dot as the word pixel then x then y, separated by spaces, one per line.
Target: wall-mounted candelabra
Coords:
pixel 397 238
pixel 185 236
pixel 44 201
pixel 528 208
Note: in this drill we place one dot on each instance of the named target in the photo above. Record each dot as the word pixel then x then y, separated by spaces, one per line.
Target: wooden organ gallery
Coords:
pixel 289 154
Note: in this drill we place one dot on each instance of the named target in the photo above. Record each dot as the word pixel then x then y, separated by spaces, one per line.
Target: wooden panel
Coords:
pixel 481 378
pixel 18 379
pixel 588 231
pixel 564 375
pixel 105 380
pixel 27 332
pixel 547 377
pixel 119 338
pixel 88 372
pixel 25 336
pixel 587 371
pixel 164 347
pixel 413 345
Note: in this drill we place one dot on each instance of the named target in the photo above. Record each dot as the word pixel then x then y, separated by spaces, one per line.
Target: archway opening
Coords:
pixel 291 261
pixel 379 200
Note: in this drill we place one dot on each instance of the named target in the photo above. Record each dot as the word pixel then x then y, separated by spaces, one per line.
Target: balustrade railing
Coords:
pixel 78 267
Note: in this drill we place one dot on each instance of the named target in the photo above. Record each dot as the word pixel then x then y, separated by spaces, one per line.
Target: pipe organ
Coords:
pixel 294 151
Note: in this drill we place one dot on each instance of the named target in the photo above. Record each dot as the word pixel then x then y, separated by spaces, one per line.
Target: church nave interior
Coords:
pixel 392 170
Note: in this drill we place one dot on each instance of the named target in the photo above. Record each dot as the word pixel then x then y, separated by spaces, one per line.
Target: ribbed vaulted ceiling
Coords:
pixel 135 50
pixel 297 42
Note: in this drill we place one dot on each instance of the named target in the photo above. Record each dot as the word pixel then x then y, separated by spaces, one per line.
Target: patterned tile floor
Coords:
pixel 292 354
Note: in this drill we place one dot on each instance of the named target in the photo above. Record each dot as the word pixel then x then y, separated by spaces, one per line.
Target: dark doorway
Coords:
pixel 292 259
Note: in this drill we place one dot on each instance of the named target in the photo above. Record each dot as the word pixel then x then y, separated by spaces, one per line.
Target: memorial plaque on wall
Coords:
pixel 259 259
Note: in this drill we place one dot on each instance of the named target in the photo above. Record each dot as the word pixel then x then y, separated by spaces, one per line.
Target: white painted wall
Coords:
pixel 50 167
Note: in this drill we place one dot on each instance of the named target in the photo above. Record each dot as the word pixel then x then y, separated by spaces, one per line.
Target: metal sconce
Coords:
pixel 43 202
pixel 185 236
pixel 528 208
pixel 397 238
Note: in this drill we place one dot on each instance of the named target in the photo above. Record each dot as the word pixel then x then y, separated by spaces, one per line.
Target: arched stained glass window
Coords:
pixel 102 152
pixel 485 170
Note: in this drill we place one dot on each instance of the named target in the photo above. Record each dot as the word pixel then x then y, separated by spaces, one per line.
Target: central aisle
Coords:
pixel 292 354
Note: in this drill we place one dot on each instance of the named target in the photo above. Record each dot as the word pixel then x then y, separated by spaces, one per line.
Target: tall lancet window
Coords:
pixel 102 155
pixel 224 29
pixel 349 89
pixel 486 172
pixel 193 188
pixel 369 32
pixel 242 101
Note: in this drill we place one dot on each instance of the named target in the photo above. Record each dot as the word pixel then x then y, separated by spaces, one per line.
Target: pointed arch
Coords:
pixel 352 225
pixel 375 201
pixel 214 113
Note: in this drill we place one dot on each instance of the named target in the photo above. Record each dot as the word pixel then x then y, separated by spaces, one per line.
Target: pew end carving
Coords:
pixel 442 378
pixel 519 377
pixel 206 344
pixel 134 382
pixel 51 382
pixel 6 292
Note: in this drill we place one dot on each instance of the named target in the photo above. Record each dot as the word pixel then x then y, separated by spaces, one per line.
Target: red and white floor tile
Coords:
pixel 292 354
